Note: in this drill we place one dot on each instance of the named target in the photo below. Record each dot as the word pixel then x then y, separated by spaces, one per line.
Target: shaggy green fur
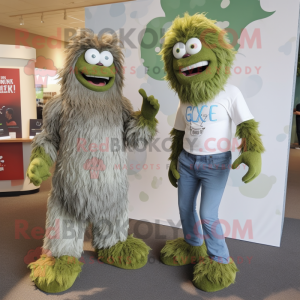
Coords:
pixel 54 275
pixel 176 148
pixel 151 124
pixel 215 48
pixel 248 130
pixel 177 143
pixel 179 253
pixel 173 174
pixel 150 106
pixel 131 254
pixel 38 169
pixel 251 149
pixel 211 276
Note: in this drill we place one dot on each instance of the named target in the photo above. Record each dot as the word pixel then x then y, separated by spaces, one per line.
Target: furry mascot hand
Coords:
pixel 150 106
pixel 39 166
pixel 38 171
pixel 251 159
pixel 251 149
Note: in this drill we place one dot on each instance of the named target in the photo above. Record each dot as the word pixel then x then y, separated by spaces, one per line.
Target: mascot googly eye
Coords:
pixel 193 46
pixel 106 58
pixel 179 50
pixel 92 56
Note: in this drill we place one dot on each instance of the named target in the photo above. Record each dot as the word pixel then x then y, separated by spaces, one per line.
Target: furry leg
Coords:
pixel 64 234
pixel 107 233
pixel 58 267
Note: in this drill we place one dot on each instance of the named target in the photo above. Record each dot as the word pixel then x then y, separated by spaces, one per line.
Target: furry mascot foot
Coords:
pixel 54 275
pixel 211 276
pixel 179 253
pixel 131 254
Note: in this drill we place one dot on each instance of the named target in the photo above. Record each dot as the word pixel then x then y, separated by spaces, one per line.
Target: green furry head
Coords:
pixel 204 85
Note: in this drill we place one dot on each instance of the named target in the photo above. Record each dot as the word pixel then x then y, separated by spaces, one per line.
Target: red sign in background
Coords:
pixel 10 99
pixel 11 154
pixel 11 161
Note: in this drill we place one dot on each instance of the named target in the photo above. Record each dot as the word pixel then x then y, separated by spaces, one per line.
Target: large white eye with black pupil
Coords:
pixel 106 58
pixel 193 46
pixel 92 56
pixel 179 50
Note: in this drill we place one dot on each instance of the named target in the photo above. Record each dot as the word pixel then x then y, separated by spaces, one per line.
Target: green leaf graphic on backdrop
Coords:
pixel 239 14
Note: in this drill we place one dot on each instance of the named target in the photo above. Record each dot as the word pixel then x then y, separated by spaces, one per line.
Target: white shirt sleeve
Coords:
pixel 239 110
pixel 179 120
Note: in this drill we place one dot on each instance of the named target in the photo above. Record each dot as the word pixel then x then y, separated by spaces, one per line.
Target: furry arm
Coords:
pixel 176 148
pixel 250 148
pixel 140 126
pixel 45 145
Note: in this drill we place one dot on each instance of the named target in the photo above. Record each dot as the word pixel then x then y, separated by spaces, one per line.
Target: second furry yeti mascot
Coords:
pixel 86 130
pixel 197 58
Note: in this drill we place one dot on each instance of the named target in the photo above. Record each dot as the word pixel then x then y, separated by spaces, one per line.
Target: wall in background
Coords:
pixel 51 49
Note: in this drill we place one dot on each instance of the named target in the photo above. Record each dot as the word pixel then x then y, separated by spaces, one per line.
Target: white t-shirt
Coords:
pixel 208 126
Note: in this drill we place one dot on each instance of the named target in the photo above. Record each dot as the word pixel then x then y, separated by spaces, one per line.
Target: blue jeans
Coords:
pixel 210 172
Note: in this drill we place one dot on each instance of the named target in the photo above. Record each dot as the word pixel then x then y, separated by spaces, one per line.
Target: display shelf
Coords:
pixel 18 140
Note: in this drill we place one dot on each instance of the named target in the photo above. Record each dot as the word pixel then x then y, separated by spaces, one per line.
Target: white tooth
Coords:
pixel 194 66
pixel 107 78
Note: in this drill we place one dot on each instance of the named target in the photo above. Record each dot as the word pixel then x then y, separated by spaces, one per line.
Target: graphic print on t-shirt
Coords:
pixel 196 118
pixel 208 126
pixel 198 130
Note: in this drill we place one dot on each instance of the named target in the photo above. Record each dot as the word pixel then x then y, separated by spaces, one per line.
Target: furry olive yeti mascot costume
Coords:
pixel 86 130
pixel 197 58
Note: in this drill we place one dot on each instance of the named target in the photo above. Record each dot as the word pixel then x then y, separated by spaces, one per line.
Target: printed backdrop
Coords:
pixel 264 71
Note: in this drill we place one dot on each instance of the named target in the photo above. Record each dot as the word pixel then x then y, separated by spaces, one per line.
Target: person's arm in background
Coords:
pixel 297 113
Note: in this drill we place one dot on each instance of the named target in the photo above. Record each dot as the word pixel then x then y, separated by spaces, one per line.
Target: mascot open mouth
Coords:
pixel 195 69
pixel 96 80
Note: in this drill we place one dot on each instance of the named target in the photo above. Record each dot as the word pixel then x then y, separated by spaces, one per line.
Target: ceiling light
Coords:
pixel 21 21
pixel 42 18
pixel 65 15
